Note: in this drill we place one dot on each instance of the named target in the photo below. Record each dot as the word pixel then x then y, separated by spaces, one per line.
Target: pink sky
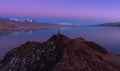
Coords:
pixel 90 9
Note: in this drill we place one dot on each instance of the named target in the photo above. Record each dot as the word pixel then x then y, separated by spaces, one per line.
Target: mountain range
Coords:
pixel 6 23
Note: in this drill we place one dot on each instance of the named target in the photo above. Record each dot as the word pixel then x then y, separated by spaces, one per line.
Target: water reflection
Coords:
pixel 17 31
pixel 108 37
pixel 10 39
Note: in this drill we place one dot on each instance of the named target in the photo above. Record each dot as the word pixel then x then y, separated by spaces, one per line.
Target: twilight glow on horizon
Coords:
pixel 86 9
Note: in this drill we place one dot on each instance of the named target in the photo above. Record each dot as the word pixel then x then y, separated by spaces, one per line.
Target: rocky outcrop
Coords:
pixel 59 53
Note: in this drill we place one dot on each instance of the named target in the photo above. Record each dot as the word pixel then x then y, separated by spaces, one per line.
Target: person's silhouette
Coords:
pixel 58 31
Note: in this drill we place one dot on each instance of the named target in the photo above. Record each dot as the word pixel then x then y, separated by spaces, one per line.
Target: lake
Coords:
pixel 108 37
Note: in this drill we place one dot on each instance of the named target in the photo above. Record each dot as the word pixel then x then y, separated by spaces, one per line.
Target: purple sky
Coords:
pixel 86 9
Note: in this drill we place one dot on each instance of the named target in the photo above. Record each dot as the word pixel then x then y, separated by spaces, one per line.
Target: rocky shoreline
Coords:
pixel 60 53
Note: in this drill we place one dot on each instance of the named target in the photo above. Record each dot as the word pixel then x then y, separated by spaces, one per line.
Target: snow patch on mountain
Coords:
pixel 14 19
pixel 65 24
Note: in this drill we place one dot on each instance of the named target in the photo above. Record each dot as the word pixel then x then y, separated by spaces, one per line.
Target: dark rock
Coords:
pixel 96 47
pixel 59 53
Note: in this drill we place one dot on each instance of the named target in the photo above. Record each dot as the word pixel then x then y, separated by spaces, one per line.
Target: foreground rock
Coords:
pixel 59 53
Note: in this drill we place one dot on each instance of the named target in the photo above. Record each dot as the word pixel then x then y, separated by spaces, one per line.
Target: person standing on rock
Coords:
pixel 58 31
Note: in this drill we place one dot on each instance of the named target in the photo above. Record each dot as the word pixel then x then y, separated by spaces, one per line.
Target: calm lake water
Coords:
pixel 108 37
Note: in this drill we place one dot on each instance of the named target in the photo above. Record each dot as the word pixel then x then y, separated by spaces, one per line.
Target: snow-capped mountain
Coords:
pixel 13 23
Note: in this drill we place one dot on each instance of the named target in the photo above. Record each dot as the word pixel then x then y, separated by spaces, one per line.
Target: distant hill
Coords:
pixel 6 23
pixel 114 24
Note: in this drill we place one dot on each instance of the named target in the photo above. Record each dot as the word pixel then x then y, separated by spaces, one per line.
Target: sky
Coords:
pixel 98 10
